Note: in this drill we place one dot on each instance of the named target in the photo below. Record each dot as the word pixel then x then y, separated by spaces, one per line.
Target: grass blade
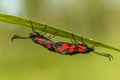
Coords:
pixel 38 25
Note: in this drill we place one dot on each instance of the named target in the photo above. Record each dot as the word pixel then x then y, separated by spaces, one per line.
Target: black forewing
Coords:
pixel 58 46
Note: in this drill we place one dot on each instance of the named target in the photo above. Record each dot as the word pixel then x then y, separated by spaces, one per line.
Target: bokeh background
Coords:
pixel 24 60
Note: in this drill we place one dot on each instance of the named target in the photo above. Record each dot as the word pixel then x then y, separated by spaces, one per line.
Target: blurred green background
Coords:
pixel 24 60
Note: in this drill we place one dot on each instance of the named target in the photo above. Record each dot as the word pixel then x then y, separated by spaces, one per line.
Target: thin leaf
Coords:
pixel 50 29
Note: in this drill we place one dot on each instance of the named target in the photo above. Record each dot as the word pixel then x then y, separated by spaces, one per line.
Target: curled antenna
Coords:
pixel 18 37
pixel 110 57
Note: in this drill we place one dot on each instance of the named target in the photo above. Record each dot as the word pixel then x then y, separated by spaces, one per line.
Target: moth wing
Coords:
pixel 63 47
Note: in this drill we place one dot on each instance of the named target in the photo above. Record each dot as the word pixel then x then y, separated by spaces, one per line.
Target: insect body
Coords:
pixel 49 44
pixel 39 39
pixel 71 49
pixel 77 48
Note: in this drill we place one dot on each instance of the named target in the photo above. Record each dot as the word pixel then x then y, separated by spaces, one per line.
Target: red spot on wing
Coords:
pixel 72 48
pixel 82 48
pixel 40 40
pixel 64 46
pixel 48 44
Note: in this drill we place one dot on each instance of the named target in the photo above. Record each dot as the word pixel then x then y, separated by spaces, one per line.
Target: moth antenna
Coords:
pixel 18 37
pixel 109 56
